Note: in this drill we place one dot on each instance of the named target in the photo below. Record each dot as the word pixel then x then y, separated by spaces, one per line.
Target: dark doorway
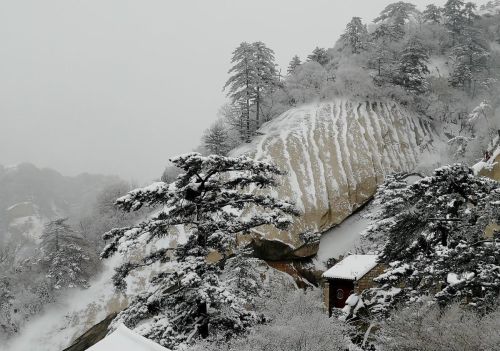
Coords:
pixel 340 289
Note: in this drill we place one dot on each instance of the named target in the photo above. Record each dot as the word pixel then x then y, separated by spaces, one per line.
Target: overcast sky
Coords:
pixel 119 86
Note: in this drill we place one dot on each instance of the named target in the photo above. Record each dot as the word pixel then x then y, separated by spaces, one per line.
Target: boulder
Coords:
pixel 335 154
pixel 493 172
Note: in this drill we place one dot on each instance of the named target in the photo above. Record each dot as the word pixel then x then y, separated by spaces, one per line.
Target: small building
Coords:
pixel 352 274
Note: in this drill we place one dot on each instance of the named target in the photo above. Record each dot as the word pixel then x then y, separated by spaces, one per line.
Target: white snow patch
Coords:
pixel 454 279
pixel 352 267
pixel 124 339
pixel 344 237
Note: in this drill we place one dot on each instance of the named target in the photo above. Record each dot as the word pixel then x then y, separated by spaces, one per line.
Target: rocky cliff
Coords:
pixel 493 169
pixel 335 154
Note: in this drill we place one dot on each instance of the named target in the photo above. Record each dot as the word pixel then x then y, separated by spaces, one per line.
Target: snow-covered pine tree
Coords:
pixel 215 139
pixel 469 58
pixel 294 63
pixel 433 14
pixel 383 57
pixel 355 35
pixel 439 240
pixel 319 55
pixel 66 256
pixel 413 67
pixel 215 200
pixel 454 15
pixel 470 14
pixel 266 75
pixel 396 15
pixel 241 83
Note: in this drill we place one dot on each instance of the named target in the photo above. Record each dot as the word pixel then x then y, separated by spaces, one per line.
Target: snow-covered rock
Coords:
pixel 491 167
pixel 335 154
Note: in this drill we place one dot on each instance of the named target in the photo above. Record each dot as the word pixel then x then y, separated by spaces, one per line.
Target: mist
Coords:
pixel 117 87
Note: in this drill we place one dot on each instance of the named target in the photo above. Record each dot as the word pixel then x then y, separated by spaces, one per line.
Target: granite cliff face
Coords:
pixel 335 154
pixel 493 171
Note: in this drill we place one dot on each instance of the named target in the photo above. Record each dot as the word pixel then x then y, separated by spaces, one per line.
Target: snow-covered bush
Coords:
pixel 308 82
pixel 295 321
pixel 427 328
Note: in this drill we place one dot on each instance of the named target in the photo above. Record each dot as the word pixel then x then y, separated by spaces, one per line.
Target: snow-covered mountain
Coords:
pixel 335 154
pixel 30 196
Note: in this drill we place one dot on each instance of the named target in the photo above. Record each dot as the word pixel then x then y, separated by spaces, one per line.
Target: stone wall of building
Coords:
pixel 367 281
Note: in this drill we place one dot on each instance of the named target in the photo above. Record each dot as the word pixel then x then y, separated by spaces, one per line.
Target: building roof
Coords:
pixel 124 339
pixel 352 267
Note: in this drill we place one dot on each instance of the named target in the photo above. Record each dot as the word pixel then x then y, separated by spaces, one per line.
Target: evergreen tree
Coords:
pixel 383 57
pixel 396 15
pixel 214 200
pixel 454 15
pixel 413 67
pixel 470 13
pixel 355 35
pixel 216 138
pixel 66 257
pixel 436 240
pixel 242 82
pixel 432 14
pixel 469 58
pixel 265 70
pixel 386 33
pixel 319 55
pixel 253 76
pixel 294 63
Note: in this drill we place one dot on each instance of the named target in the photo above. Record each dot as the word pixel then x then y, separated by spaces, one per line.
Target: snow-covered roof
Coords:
pixel 352 267
pixel 124 339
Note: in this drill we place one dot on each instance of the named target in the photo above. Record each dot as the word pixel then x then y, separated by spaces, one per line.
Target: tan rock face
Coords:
pixel 335 155
pixel 494 173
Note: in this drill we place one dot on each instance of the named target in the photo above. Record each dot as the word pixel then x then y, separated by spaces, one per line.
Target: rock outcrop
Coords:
pixel 493 172
pixel 335 154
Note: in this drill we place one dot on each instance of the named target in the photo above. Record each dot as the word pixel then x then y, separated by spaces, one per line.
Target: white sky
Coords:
pixel 119 86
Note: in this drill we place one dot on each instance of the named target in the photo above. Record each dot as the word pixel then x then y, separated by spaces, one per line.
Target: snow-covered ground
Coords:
pixel 72 315
pixel 343 238
pixel 124 339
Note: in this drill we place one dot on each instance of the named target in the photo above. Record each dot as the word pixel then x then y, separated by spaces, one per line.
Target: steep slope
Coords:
pixel 335 154
pixel 30 196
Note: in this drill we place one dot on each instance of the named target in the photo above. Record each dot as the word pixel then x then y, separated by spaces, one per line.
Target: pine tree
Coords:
pixel 214 200
pixel 215 139
pixel 469 58
pixel 319 55
pixel 455 20
pixel 386 33
pixel 265 70
pixel 433 14
pixel 396 15
pixel 355 35
pixel 253 76
pixel 383 58
pixel 436 241
pixel 294 63
pixel 242 82
pixel 413 67
pixel 66 257
pixel 470 13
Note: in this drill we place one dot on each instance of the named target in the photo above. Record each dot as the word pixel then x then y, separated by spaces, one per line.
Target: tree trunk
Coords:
pixel 257 118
